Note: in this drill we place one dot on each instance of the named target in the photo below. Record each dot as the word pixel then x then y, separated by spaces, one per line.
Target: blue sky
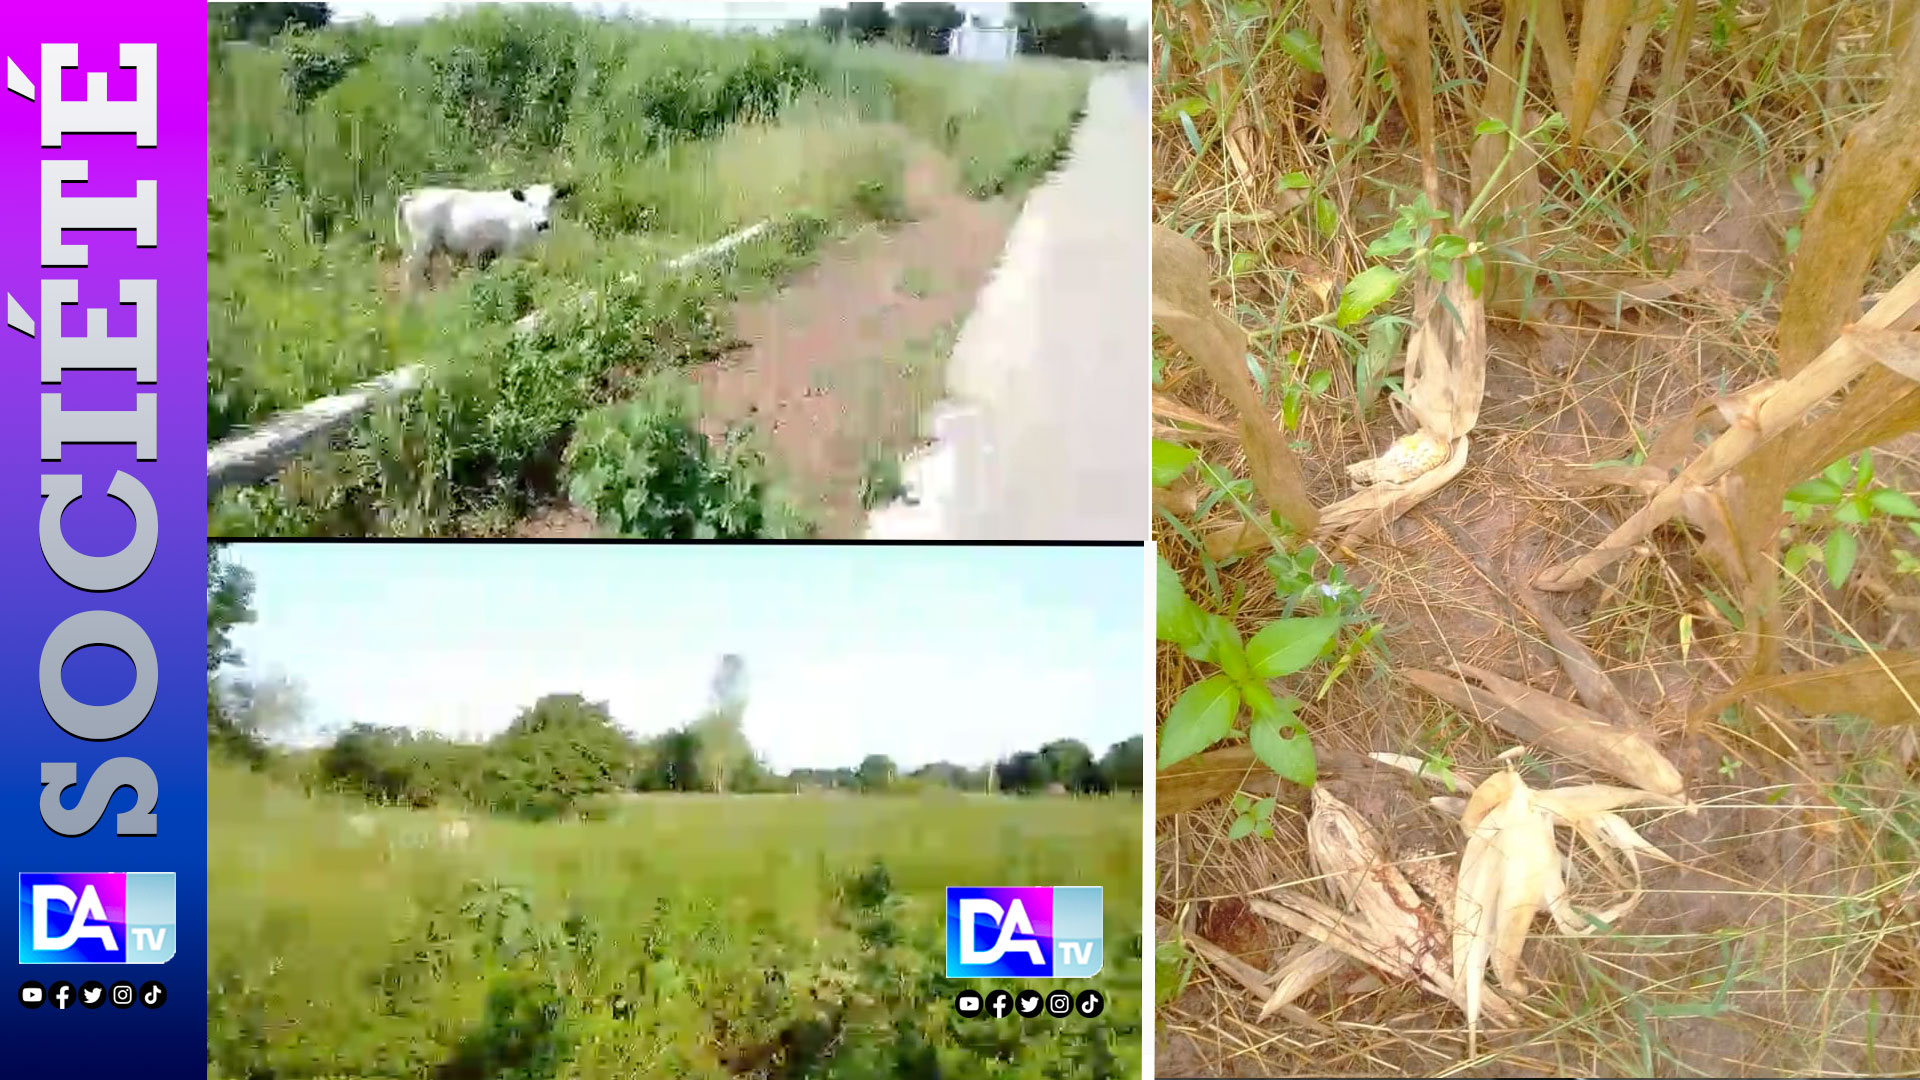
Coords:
pixel 692 10
pixel 921 653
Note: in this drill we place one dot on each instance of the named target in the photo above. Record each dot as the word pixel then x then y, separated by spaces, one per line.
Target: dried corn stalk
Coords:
pixel 1601 25
pixel 1767 411
pixel 1872 179
pixel 1537 717
pixel 1183 309
pixel 1400 29
pixel 1884 687
pixel 1341 112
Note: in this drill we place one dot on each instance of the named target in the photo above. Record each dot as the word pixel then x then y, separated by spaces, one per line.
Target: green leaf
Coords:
pixel 1840 472
pixel 1242 826
pixel 1476 271
pixel 1368 290
pixel 1439 268
pixel 1842 550
pixel 1284 646
pixel 1258 699
pixel 1290 758
pixel 1325 215
pixel 1259 373
pixel 1173 611
pixel 1192 106
pixel 1169 461
pixel 1228 651
pixel 1171 967
pixel 1391 244
pixel 1295 181
pixel 1490 127
pixel 1318 382
pixel 1301 49
pixel 1263 809
pixel 1894 503
pixel 1816 492
pixel 1193 136
pixel 1854 511
pixel 1243 262
pixel 1201 717
pixel 1449 246
pixel 1797 556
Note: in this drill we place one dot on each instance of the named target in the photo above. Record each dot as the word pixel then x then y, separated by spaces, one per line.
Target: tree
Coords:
pixel 260 707
pixel 723 749
pixel 868 22
pixel 258 23
pixel 875 773
pixel 670 762
pixel 1121 765
pixel 555 755
pixel 1070 763
pixel 925 27
pixel 1058 29
pixel 1024 773
pixel 229 604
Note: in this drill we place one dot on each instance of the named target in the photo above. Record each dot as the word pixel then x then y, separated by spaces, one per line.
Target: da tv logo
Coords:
pixel 96 918
pixel 1032 932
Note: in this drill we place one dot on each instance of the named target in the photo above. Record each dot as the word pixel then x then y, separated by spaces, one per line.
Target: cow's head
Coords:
pixel 539 199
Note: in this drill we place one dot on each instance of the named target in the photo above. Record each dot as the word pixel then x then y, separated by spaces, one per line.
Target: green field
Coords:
pixel 673 138
pixel 681 936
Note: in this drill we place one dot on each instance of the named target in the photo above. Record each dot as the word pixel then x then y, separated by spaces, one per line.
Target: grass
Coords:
pixel 673 138
pixel 692 936
pixel 1783 943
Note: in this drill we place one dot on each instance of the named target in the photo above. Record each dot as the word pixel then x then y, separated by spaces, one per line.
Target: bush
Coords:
pixel 644 469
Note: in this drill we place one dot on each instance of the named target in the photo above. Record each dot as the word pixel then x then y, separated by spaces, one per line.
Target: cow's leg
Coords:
pixel 415 266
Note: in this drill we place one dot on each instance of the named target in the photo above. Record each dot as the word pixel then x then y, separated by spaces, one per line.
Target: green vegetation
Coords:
pixel 643 469
pixel 1206 710
pixel 1844 499
pixel 672 139
pixel 584 929
pixel 684 936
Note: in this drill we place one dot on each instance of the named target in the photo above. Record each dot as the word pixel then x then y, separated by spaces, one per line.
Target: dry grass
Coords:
pixel 1787 940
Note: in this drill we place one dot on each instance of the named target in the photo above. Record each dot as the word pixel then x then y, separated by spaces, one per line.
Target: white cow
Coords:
pixel 475 225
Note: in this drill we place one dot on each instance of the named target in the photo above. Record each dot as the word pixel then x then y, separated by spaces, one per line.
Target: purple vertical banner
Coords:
pixel 102 536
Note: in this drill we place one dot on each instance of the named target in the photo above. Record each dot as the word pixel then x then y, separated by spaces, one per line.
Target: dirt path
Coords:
pixel 1042 439
pixel 842 364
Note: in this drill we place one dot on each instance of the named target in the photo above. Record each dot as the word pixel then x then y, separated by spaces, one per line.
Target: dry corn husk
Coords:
pixel 1446 376
pixel 1387 925
pixel 1512 868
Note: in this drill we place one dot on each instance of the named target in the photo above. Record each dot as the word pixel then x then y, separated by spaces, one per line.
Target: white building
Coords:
pixel 987 34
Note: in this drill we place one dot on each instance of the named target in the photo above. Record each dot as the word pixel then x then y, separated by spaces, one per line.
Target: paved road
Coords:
pixel 1045 435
